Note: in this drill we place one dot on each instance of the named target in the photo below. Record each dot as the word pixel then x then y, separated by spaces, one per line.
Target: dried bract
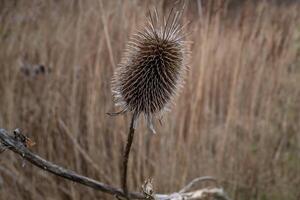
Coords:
pixel 152 69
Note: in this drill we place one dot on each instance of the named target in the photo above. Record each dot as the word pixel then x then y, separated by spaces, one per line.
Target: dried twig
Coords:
pixel 18 146
pixel 213 193
pixel 81 150
pixel 197 180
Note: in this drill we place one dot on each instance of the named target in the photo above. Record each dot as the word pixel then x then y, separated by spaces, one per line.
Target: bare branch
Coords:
pixel 18 146
pixel 213 193
pixel 197 180
pixel 82 151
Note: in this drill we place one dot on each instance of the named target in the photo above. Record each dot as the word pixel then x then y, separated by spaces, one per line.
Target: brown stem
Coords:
pixel 126 154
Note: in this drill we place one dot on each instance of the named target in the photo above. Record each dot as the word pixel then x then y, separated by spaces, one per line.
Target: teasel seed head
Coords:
pixel 152 69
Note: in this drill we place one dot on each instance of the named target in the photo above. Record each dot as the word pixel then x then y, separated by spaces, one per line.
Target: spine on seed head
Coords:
pixel 152 69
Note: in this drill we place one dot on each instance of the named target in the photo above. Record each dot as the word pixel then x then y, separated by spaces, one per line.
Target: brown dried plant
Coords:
pixel 150 74
pixel 152 69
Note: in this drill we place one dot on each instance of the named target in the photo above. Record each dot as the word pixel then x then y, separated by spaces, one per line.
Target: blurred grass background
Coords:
pixel 238 117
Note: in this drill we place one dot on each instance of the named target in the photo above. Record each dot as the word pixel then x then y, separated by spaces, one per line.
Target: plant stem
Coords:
pixel 126 154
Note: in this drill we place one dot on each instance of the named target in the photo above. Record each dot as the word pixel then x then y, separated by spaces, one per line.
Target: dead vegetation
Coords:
pixel 238 118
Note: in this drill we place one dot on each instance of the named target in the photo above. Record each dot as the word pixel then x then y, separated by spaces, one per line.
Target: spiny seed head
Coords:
pixel 152 69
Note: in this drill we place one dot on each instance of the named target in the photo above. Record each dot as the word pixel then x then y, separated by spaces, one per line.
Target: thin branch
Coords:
pixel 17 144
pixel 126 154
pixel 197 180
pixel 81 150
pixel 203 194
pixel 18 147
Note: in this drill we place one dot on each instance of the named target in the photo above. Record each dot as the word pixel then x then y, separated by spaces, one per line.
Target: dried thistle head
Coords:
pixel 152 69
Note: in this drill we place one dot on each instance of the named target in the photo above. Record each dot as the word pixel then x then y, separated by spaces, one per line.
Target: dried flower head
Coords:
pixel 152 69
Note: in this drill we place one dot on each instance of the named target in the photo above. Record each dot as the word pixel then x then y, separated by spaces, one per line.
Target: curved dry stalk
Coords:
pixel 197 180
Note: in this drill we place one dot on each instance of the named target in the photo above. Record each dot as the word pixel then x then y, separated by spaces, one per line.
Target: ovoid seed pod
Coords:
pixel 152 69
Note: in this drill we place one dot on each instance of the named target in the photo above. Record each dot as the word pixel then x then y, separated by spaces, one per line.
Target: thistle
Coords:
pixel 149 75
pixel 152 69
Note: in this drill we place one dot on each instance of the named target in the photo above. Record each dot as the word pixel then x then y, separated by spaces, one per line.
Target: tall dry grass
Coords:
pixel 237 119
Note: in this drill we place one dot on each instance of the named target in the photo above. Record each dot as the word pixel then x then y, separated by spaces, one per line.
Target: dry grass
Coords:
pixel 237 119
